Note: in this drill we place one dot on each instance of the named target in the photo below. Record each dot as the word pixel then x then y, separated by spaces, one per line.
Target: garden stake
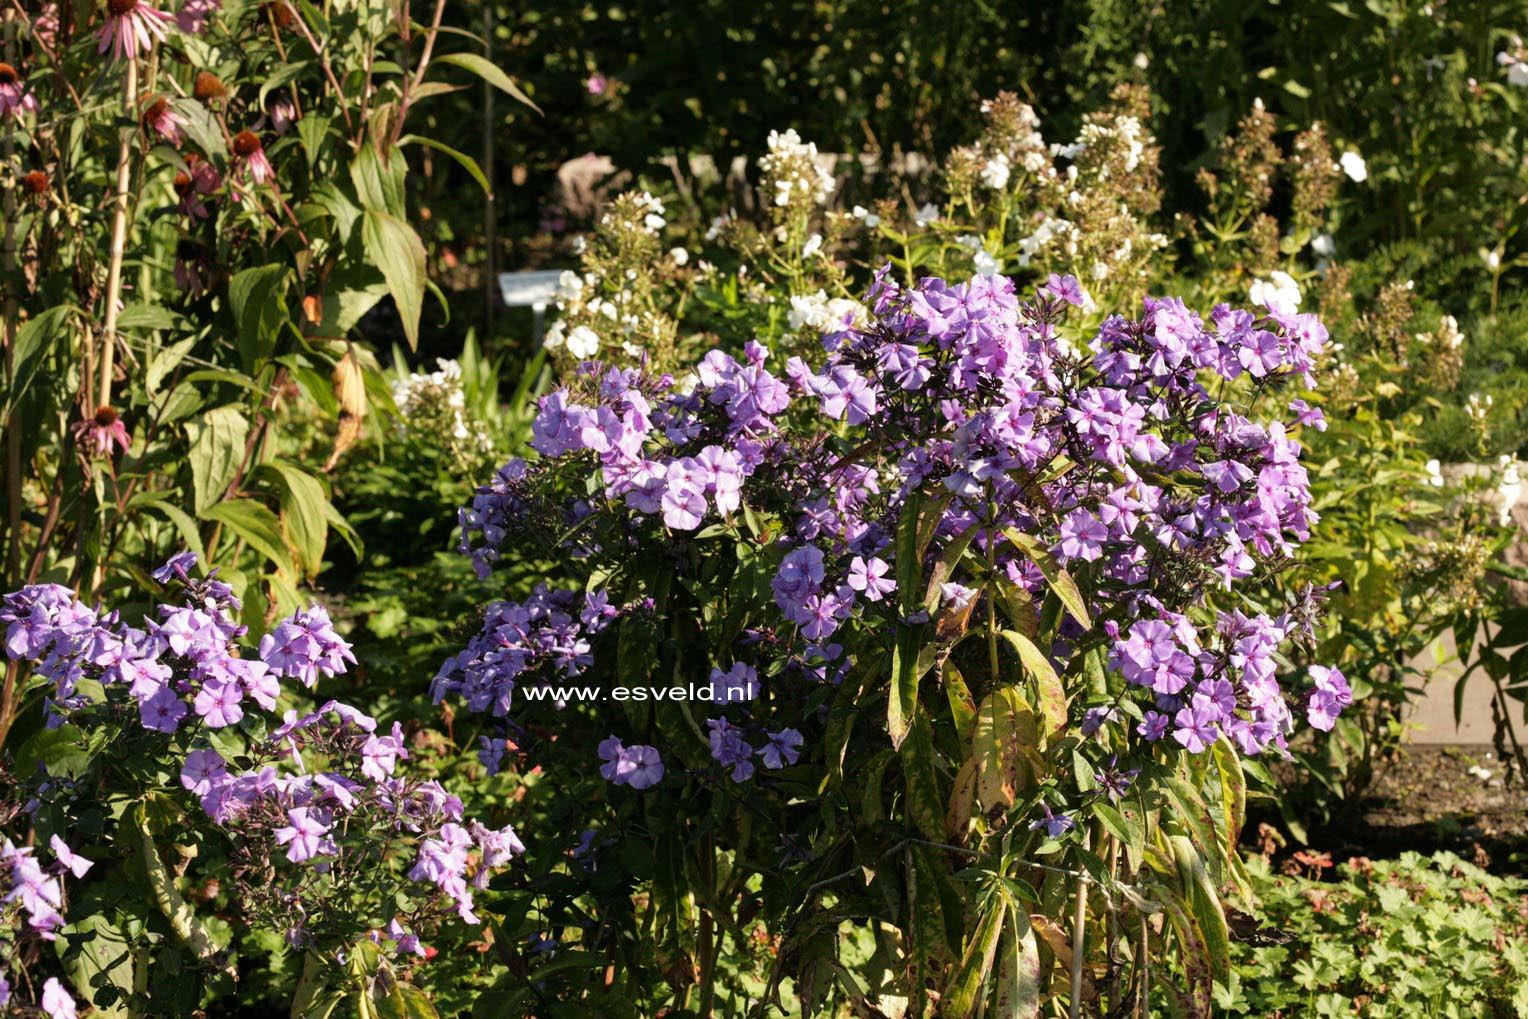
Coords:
pixel 1079 920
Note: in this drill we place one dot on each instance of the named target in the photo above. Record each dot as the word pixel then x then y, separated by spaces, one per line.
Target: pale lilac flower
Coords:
pixel 72 862
pixel 782 749
pixel 57 1003
pixel 305 837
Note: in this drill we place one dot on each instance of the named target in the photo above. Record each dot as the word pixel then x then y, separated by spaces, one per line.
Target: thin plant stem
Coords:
pixel 118 237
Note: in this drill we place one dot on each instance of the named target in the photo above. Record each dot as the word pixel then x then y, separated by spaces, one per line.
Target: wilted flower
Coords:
pixel 103 434
pixel 207 87
pixel 199 178
pixel 36 184
pixel 160 117
pixel 248 147
pixel 132 27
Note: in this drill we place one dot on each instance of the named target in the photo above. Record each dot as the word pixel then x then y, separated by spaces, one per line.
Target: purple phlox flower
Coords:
pixel 1064 288
pixel 738 684
pixel 163 711
pixel 304 645
pixel 1094 719
pixel 1055 825
pixel 782 749
pixel 218 703
pixel 1082 536
pixel 70 860
pixel 955 596
pixel 638 766
pixel 1198 724
pixel 203 770
pixel 1153 726
pixel 57 1003
pixel 306 836
pixel 730 749
pixel 177 567
pixel 871 577
pixel 380 754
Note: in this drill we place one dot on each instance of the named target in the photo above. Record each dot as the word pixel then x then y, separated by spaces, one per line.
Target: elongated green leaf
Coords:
pixel 379 182
pixel 393 247
pixel 924 804
pixel 467 162
pixel 164 361
pixel 944 568
pixel 1204 903
pixel 490 73
pixel 257 299
pixel 303 516
pixel 190 534
pixel 970 980
pixel 1049 690
pixel 1018 975
pixel 1055 574
pixel 1004 745
pixel 217 449
pixel 1194 955
pixel 34 339
pixel 1233 794
pixel 258 526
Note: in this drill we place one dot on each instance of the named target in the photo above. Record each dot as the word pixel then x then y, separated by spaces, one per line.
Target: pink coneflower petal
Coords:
pixel 132 27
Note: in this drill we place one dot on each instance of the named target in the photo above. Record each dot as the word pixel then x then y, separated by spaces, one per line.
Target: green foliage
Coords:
pixel 1415 936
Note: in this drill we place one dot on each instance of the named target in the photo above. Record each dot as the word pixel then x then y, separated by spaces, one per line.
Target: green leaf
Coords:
pixel 304 519
pixel 1005 746
pixel 970 980
pixel 1055 574
pixel 395 248
pixel 490 73
pixel 1050 693
pixel 217 451
pixel 467 162
pixel 258 526
pixel 61 752
pixel 284 73
pixel 257 298
pixel 148 316
pixel 924 804
pixel 34 339
pixel 164 361
pixel 378 182
pixel 190 534
pixel 1018 976
pixel 1204 903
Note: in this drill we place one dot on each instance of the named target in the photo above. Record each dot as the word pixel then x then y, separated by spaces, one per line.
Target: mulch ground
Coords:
pixel 1429 800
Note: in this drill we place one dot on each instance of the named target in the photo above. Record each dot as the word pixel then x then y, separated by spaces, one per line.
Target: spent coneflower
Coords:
pixel 160 117
pixel 249 149
pixel 15 98
pixel 197 179
pixel 132 27
pixel 37 185
pixel 194 14
pixel 103 434
pixel 207 88
pixel 280 13
pixel 193 268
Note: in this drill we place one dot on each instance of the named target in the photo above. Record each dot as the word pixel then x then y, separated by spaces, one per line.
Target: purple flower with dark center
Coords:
pixel 870 577
pixel 1082 536
pixel 1197 724
pixel 730 749
pixel 1064 288
pixel 738 684
pixel 305 836
pixel 782 749
pixel 1055 825
pixel 203 770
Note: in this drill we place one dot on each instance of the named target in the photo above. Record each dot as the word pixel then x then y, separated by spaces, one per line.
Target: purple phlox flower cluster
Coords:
pixel 731 748
pixel 184 663
pixel 638 765
pixel 736 685
pixel 547 635
pixel 38 892
pixel 1328 697
pixel 305 646
pixel 1229 686
pixel 306 811
pixel 1118 461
